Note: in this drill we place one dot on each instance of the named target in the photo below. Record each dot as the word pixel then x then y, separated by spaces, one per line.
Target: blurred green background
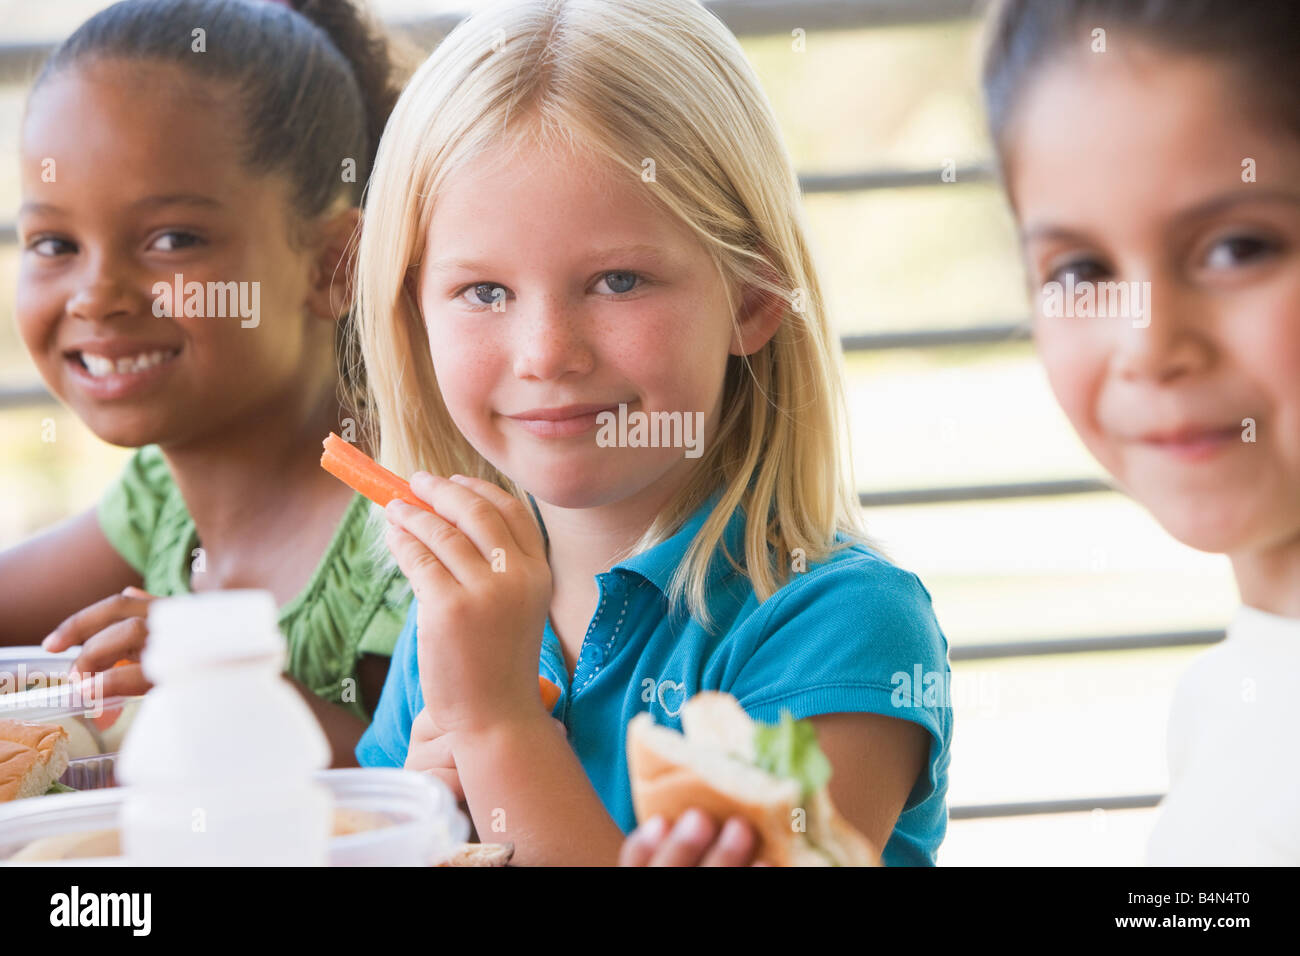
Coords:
pixel 939 256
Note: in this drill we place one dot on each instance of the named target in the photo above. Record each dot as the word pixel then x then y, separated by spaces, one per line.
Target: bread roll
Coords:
pixel 32 757
pixel 711 767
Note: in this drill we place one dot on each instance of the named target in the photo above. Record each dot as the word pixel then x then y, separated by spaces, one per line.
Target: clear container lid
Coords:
pixel 30 667
pixel 95 725
pixel 400 818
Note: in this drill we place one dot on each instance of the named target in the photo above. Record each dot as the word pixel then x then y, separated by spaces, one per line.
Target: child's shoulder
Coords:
pixel 856 573
pixel 854 590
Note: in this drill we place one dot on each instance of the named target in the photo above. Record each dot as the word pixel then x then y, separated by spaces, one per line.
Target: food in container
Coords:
pixel 382 817
pixel 34 687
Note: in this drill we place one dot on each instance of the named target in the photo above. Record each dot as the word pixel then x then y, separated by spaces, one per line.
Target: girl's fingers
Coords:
pixel 452 779
pixel 440 538
pixel 123 640
pixel 430 755
pixel 89 621
pixel 735 846
pixel 641 844
pixel 686 845
pixel 421 567
pixel 125 681
pixel 516 515
pixel 423 728
pixel 478 518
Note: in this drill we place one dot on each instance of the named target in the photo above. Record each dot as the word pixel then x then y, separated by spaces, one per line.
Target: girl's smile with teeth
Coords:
pixel 101 365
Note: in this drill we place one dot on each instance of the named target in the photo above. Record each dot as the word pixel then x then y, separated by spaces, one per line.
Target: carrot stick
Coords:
pixel 360 472
pixel 550 693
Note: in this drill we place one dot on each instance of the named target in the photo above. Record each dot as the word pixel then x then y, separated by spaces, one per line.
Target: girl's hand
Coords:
pixel 694 841
pixel 478 570
pixel 110 631
pixel 430 752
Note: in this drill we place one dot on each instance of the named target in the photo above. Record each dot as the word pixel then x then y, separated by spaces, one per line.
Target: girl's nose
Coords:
pixel 102 294
pixel 549 339
pixel 1169 341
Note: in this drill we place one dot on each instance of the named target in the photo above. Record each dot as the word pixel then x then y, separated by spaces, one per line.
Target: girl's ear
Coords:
pixel 758 318
pixel 330 295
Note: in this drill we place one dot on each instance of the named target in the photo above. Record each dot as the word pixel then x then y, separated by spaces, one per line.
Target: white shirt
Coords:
pixel 1234 752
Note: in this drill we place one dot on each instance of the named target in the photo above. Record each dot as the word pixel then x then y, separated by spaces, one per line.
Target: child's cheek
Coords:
pixel 36 309
pixel 1268 350
pixel 1076 370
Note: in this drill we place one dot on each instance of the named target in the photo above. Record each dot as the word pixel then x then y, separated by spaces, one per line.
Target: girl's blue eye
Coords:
pixel 484 293
pixel 1240 250
pixel 178 240
pixel 620 282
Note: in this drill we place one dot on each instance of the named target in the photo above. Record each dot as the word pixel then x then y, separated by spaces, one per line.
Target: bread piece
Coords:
pixel 670 775
pixel 32 757
pixel 711 768
pixel 480 854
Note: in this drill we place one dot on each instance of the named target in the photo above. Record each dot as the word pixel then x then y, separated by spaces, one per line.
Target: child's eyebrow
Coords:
pixel 148 202
pixel 1237 197
pixel 178 199
pixel 1205 209
pixel 33 208
pixel 653 253
pixel 1051 231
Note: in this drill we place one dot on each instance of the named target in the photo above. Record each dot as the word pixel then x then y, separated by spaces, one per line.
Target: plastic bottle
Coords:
pixel 219 762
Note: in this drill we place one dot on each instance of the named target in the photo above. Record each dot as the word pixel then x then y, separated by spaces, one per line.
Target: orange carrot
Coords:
pixel 360 472
pixel 550 693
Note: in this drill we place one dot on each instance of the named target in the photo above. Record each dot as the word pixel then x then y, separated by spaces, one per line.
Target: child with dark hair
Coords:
pixel 1152 147
pixel 192 172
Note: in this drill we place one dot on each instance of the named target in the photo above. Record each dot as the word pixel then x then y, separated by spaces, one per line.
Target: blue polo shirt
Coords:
pixel 853 634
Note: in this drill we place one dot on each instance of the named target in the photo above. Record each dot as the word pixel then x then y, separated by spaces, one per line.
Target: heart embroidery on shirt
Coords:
pixel 671 686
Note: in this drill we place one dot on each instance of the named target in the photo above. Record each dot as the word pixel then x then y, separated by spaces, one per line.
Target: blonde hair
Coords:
pixel 628 79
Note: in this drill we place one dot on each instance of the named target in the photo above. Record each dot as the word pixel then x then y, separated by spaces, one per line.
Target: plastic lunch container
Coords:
pixel 419 822
pixel 29 690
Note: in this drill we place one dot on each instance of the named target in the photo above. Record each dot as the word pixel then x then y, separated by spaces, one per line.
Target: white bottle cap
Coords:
pixel 193 632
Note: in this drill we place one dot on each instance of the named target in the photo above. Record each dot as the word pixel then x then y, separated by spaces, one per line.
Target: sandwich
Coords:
pixel 32 758
pixel 774 776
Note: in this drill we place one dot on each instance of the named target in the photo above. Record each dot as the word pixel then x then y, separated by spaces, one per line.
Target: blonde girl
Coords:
pixel 582 213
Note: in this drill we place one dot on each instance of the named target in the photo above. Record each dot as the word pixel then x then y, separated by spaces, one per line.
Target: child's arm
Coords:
pixel 48 578
pixel 875 763
pixel 477 565
pixel 524 785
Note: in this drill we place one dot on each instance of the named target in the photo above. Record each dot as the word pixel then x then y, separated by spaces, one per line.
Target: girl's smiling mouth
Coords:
pixel 561 422
pixel 111 369
pixel 1192 443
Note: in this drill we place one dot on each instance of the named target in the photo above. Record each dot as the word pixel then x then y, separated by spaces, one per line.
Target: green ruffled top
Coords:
pixel 351 606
